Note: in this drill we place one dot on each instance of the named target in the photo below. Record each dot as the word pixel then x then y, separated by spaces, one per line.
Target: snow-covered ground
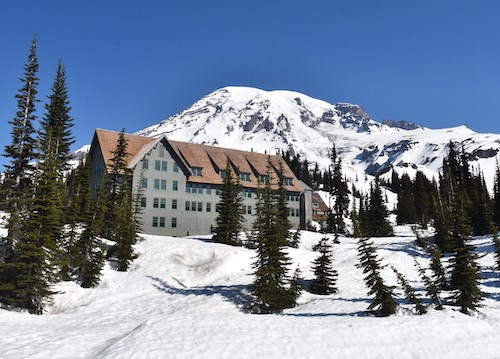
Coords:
pixel 185 298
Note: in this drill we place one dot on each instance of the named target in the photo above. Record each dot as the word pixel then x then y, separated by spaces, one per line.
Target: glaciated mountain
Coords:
pixel 249 118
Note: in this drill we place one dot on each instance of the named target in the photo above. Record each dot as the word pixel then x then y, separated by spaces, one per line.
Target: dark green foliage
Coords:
pixel 325 276
pixel 283 224
pixel 410 294
pixel 18 182
pixel 465 275
pixel 336 185
pixel 431 288
pixel 383 301
pixel 406 210
pixel 439 273
pixel 124 226
pixel 379 225
pixel 271 288
pixel 229 221
pixel 294 243
pixel 496 245
pixel 496 196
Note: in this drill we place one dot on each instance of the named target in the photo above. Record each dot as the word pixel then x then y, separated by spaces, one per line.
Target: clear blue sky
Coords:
pixel 132 63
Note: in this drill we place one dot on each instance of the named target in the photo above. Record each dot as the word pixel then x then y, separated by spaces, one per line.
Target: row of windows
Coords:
pixel 198 188
pixel 159 165
pixel 159 184
pixel 293 197
pixel 197 206
pixel 160 222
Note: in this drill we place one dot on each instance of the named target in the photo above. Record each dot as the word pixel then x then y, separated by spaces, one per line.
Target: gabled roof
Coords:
pixel 108 139
pixel 316 198
pixel 210 158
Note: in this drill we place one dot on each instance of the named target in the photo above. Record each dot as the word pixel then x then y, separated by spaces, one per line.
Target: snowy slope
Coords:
pixel 184 298
pixel 250 118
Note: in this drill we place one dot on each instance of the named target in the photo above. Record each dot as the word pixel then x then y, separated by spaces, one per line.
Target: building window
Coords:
pixel 287 181
pixel 156 184
pixel 161 151
pixel 174 204
pixel 188 188
pixel 145 164
pixel 200 206
pixel 193 206
pixel 248 209
pixel 164 166
pixel 155 221
pixel 143 202
pixel 163 203
pixel 144 183
pixel 196 171
pixel 174 222
pixel 176 167
pixel 200 189
pixel 218 192
pixel 163 184
pixel 209 207
pixel 264 179
pixel 247 193
pixel 157 165
pixel 222 173
pixel 209 190
pixel 245 176
pixel 162 222
pixel 188 206
pixel 155 202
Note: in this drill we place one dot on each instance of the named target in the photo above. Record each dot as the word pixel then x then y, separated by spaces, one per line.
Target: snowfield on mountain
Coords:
pixel 253 119
pixel 186 298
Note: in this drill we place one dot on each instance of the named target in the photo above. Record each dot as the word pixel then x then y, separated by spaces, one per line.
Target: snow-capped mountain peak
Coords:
pixel 267 121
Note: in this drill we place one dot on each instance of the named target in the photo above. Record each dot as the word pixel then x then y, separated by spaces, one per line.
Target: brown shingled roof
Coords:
pixel 108 140
pixel 204 156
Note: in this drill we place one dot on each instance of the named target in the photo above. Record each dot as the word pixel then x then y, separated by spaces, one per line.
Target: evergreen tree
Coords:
pixel 271 289
pixel 283 224
pixel 380 227
pixel 410 294
pixel 496 245
pixel 339 192
pixel 229 221
pixel 406 209
pixel 465 275
pixel 431 288
pixel 496 195
pixel 124 226
pixel 295 239
pixel 439 274
pixel 325 276
pixel 18 183
pixel 383 301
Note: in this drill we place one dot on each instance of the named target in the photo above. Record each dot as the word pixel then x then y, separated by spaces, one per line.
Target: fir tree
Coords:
pixel 406 209
pixel 431 288
pixel 379 225
pixel 295 239
pixel 283 224
pixel 271 288
pixel 325 276
pixel 339 192
pixel 229 221
pixel 410 294
pixel 439 273
pixel 18 183
pixel 496 245
pixel 383 301
pixel 465 275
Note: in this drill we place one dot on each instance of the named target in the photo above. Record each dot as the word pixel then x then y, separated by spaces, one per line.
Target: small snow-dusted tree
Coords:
pixel 325 276
pixel 410 294
pixel 439 273
pixel 431 288
pixel 383 301
pixel 294 243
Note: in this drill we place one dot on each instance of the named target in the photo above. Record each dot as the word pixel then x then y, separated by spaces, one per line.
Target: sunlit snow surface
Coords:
pixel 185 298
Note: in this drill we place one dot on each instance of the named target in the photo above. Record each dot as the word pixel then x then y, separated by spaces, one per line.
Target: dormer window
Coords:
pixel 245 176
pixel 264 179
pixel 222 173
pixel 287 181
pixel 196 171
